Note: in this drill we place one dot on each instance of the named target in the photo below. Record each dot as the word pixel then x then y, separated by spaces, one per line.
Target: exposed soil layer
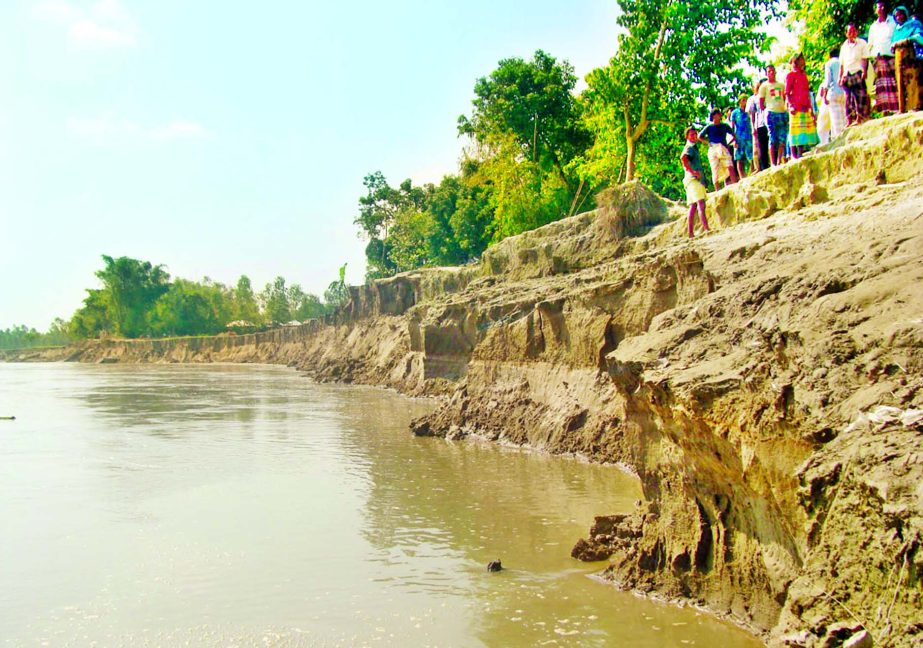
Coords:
pixel 765 383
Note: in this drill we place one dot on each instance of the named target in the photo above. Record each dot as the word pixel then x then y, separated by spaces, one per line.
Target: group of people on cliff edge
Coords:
pixel 782 121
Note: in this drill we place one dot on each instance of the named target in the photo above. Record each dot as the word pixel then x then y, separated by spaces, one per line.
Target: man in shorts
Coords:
pixel 772 100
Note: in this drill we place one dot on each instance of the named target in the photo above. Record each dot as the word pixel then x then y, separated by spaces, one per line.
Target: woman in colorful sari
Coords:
pixel 907 44
pixel 802 130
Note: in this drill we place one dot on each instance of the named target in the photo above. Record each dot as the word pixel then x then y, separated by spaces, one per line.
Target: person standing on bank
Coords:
pixel 692 180
pixel 772 100
pixel 743 133
pixel 802 134
pixel 719 151
pixel 880 32
pixel 907 45
pixel 853 69
pixel 760 132
pixel 832 95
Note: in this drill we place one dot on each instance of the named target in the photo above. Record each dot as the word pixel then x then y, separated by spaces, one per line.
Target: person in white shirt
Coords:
pixel 853 68
pixel 760 132
pixel 882 59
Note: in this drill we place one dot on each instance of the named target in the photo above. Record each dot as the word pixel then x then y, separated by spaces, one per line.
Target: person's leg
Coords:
pixel 772 139
pixel 865 104
pixel 850 106
pixel 772 146
pixel 691 225
pixel 764 148
pixel 701 206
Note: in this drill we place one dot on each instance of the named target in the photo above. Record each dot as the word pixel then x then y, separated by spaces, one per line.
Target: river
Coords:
pixel 241 506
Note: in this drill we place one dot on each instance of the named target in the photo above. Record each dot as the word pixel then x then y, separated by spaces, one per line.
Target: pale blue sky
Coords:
pixel 224 138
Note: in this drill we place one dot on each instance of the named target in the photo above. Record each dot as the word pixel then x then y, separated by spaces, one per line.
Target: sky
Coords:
pixel 223 138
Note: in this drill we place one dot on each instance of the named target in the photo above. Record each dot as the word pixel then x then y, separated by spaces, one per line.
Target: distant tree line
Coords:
pixel 138 299
pixel 23 337
pixel 537 151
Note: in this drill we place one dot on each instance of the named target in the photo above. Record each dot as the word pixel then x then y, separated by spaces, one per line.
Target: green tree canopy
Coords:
pixel 246 307
pixel 23 337
pixel 191 308
pixel 674 60
pixel 533 102
pixel 275 300
pixel 123 306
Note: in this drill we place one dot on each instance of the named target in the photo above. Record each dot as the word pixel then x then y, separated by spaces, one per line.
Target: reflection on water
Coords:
pixel 247 506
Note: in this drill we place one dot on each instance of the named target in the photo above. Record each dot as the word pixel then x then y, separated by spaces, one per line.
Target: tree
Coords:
pixel 310 307
pixel 379 209
pixel 245 306
pixel 337 292
pixel 276 303
pixel 132 288
pixel 93 318
pixel 409 240
pixel 24 337
pixel 533 102
pixel 191 308
pixel 472 221
pixel 674 60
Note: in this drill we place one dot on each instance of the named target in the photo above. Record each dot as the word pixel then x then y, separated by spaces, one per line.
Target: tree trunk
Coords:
pixel 629 159
pixel 633 134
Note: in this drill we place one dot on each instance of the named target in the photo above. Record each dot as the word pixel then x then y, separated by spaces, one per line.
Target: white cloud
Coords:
pixel 112 130
pixel 103 25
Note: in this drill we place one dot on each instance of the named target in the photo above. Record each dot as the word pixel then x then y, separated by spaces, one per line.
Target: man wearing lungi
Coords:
pixel 880 54
pixel 853 69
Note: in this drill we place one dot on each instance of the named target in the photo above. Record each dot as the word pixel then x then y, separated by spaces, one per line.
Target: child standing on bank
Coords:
pixel 692 180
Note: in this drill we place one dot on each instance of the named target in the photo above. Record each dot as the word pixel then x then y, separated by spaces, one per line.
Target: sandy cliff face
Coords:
pixel 765 383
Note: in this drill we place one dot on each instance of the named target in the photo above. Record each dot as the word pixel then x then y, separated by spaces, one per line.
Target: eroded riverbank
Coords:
pixel 762 382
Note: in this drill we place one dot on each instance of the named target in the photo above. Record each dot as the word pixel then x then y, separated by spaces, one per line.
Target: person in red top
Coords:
pixel 802 130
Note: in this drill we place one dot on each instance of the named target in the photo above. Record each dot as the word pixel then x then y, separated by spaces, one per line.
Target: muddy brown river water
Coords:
pixel 247 506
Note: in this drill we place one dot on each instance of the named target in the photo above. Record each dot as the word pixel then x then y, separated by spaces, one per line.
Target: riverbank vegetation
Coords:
pixel 138 299
pixel 537 151
pixel 24 337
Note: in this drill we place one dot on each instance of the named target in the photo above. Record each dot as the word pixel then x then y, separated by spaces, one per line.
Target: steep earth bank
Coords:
pixel 765 383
